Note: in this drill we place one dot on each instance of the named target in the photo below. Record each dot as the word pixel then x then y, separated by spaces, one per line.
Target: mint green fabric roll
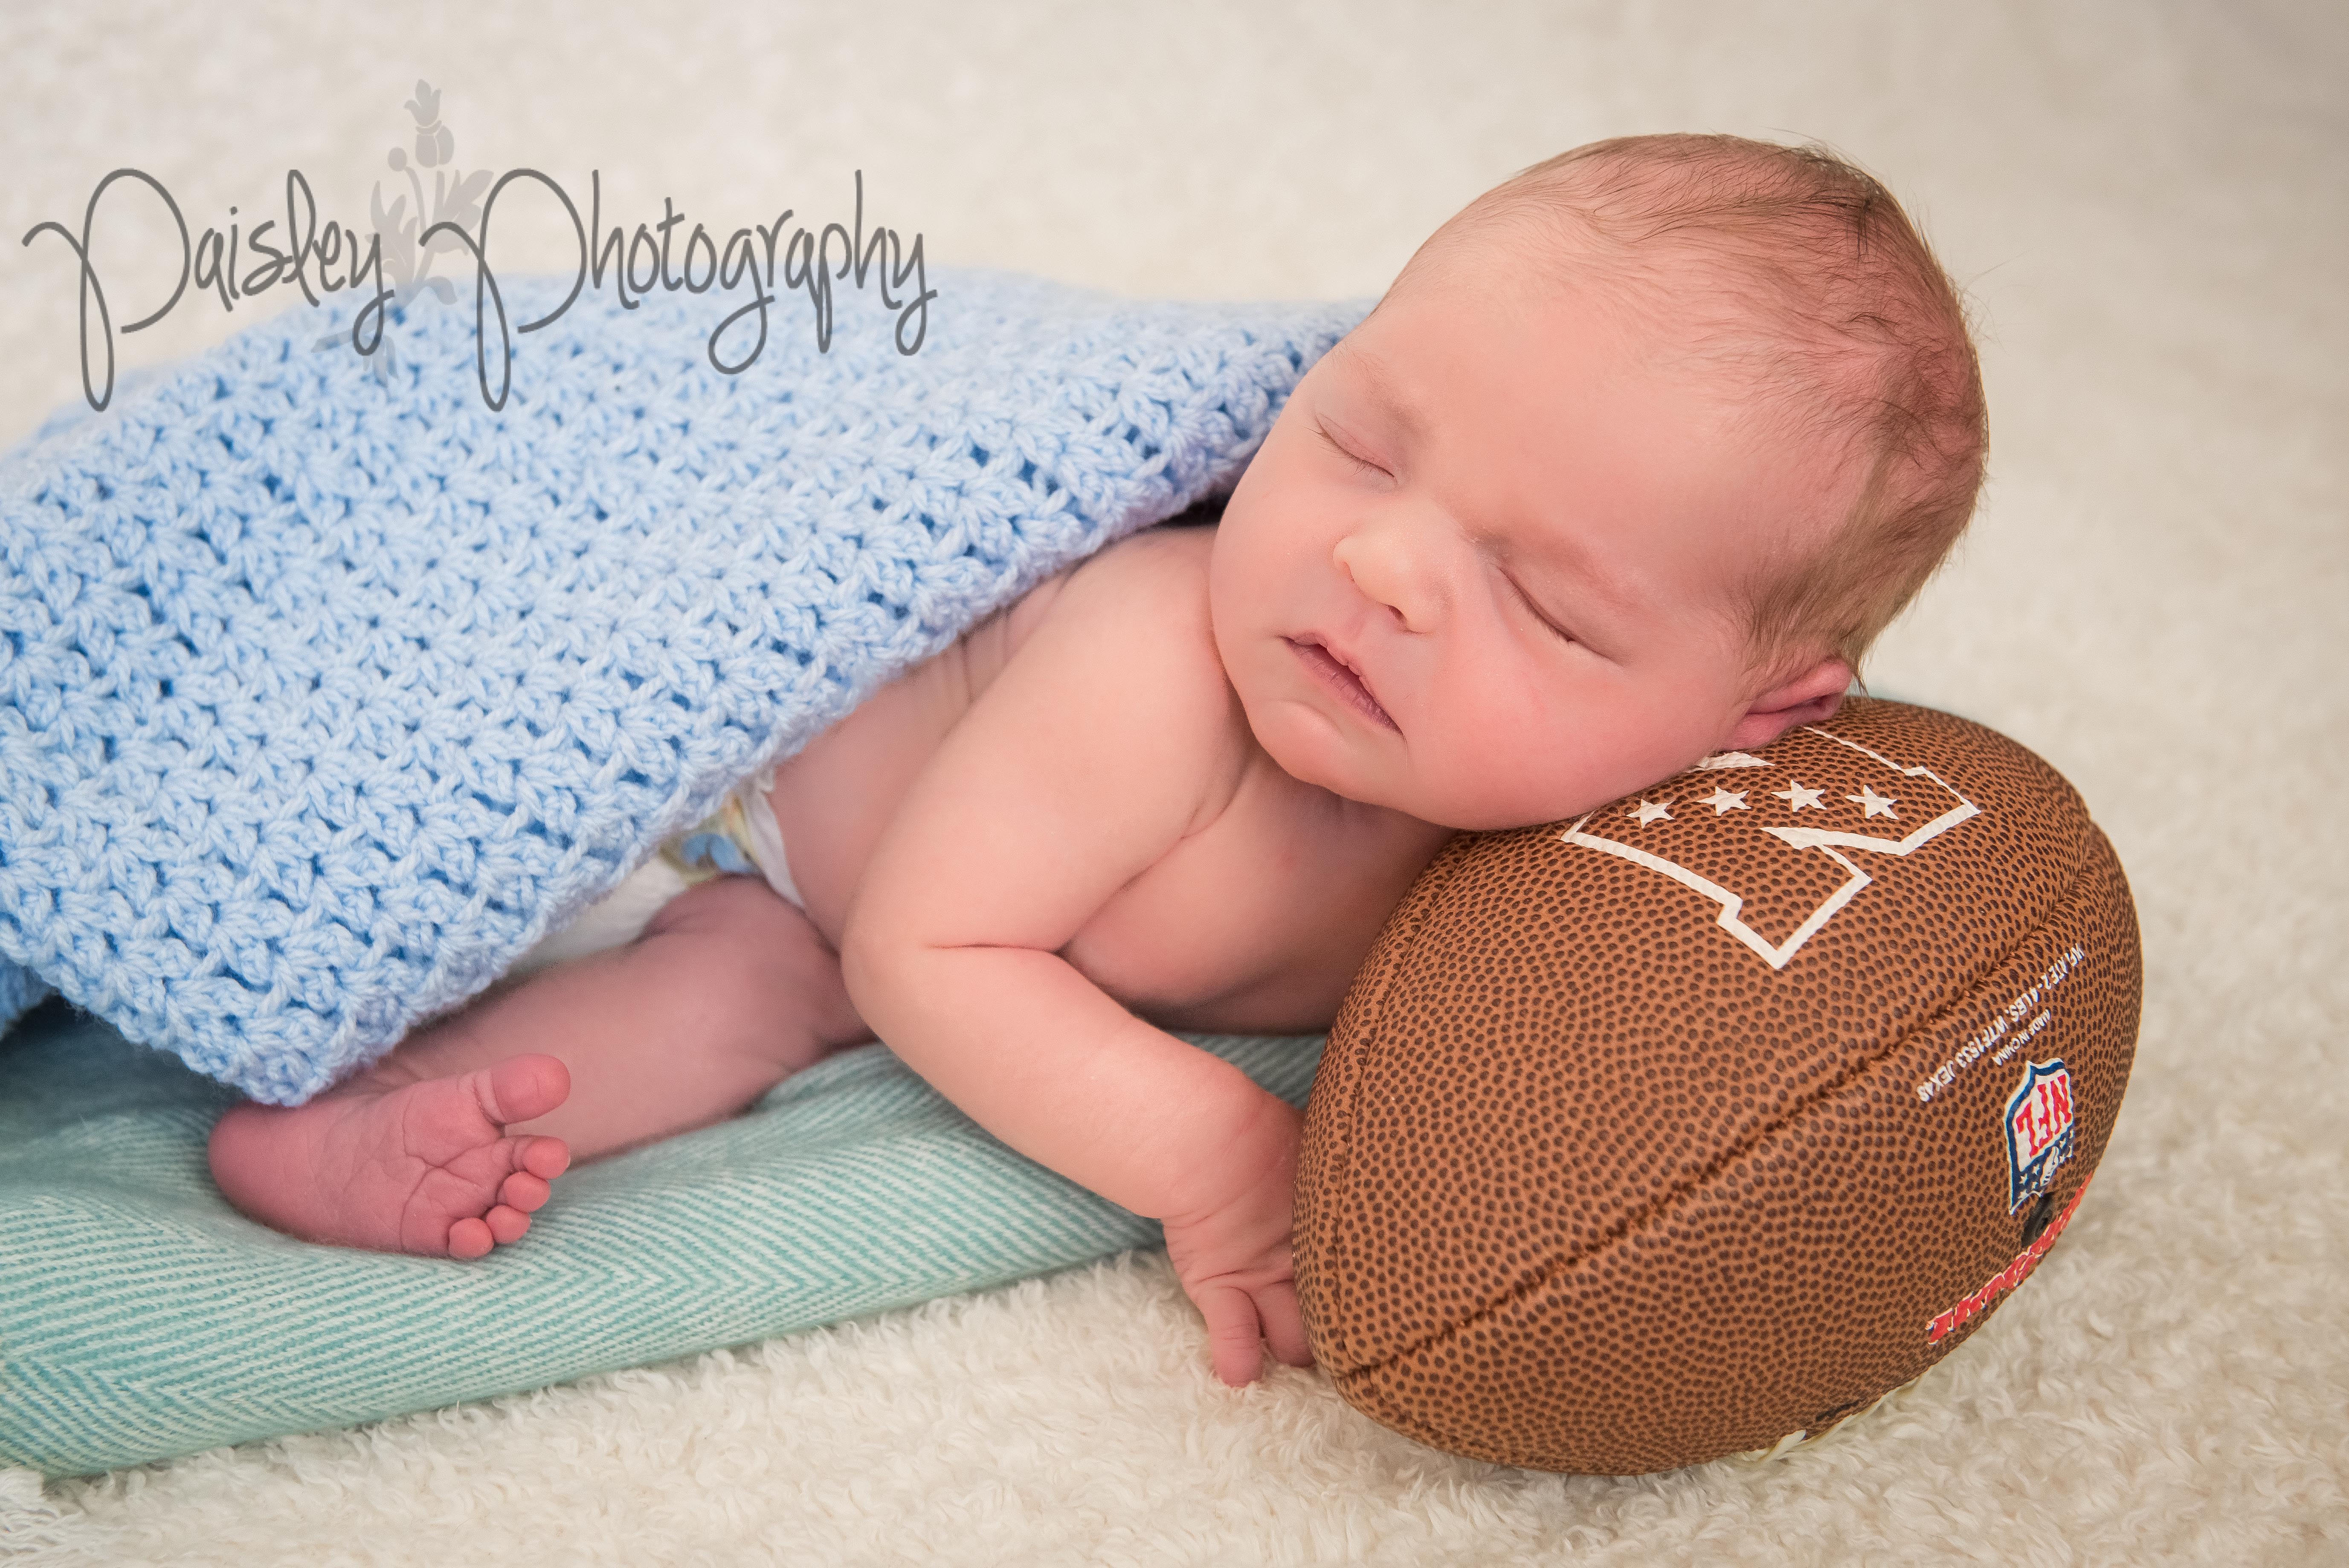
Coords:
pixel 143 1319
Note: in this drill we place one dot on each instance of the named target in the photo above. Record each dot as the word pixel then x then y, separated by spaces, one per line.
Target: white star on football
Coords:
pixel 1797 798
pixel 1874 804
pixel 1724 800
pixel 1650 810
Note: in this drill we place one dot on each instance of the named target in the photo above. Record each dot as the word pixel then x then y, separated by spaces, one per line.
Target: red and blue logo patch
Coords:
pixel 2039 1131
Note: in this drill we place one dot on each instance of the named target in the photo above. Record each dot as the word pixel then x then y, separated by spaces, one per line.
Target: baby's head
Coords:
pixel 1632 464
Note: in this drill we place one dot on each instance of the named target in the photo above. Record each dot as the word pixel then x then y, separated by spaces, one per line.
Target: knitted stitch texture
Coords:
pixel 324 697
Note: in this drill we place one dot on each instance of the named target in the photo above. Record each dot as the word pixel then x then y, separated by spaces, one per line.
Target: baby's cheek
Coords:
pixel 1548 759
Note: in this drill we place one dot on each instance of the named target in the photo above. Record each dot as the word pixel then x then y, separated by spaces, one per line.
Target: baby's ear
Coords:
pixel 1808 698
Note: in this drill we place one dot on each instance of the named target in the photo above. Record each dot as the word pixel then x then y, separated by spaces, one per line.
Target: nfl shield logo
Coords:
pixel 1706 842
pixel 2038 1130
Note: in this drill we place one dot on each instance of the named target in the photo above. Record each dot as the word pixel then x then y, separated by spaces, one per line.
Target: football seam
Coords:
pixel 1657 1207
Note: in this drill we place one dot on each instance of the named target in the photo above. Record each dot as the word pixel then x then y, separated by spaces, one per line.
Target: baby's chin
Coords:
pixel 1461 808
pixel 1480 811
pixel 1470 820
pixel 1460 813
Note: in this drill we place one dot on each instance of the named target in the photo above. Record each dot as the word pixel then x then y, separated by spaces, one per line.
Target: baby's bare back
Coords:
pixel 1254 923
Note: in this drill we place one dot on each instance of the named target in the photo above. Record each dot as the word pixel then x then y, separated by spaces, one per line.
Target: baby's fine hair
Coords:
pixel 1798 270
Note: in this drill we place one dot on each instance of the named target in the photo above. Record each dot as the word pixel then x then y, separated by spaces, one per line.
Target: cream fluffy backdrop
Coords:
pixel 2147 206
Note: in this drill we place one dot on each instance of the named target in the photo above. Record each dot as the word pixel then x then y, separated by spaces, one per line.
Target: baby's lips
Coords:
pixel 1332 666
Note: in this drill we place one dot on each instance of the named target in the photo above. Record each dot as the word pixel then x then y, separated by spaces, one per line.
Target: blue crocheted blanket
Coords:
pixel 325 694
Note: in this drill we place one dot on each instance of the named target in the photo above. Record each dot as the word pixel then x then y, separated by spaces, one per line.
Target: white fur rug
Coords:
pixel 2149 206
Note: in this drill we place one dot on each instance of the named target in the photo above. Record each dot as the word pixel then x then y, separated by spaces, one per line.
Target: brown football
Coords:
pixel 1710 1117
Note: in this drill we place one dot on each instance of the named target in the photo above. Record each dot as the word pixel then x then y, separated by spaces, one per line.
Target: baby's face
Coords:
pixel 1483 570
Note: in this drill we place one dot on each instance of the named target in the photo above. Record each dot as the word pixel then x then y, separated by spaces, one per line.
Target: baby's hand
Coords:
pixel 1233 1257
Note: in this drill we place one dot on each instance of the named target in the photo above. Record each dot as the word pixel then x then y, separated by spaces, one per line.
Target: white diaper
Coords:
pixel 765 836
pixel 739 837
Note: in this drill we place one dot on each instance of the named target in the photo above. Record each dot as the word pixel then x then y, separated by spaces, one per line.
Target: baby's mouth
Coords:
pixel 1339 678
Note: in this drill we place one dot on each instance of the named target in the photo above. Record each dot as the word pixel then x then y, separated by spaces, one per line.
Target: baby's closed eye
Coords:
pixel 1344 451
pixel 1533 607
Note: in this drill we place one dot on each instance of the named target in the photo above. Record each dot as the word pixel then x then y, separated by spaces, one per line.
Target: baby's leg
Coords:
pixel 446 1145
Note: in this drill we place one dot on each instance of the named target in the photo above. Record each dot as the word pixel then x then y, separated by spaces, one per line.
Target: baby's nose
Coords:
pixel 1386 565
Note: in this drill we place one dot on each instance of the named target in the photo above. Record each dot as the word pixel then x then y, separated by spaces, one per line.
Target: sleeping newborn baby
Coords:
pixel 1629 466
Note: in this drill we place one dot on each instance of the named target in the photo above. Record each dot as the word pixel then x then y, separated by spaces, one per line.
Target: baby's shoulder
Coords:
pixel 1128 632
pixel 1147 590
pixel 1168 565
pixel 1147 579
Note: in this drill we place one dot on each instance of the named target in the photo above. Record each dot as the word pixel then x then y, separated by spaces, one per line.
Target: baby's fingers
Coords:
pixel 1284 1324
pixel 1235 1342
pixel 1239 1322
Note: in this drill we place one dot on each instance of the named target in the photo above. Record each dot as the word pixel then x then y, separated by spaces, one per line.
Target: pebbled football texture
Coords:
pixel 1713 1116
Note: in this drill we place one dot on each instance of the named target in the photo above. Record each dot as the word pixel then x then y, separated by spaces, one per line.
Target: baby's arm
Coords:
pixel 1108 738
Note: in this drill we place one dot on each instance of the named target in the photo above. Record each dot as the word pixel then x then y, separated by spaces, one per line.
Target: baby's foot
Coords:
pixel 423 1167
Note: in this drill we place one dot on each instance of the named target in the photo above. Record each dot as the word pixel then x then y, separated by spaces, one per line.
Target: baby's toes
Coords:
pixel 469 1238
pixel 521 1089
pixel 506 1224
pixel 524 1192
pixel 542 1157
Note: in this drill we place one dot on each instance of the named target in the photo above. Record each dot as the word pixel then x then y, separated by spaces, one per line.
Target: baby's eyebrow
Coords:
pixel 1386 388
